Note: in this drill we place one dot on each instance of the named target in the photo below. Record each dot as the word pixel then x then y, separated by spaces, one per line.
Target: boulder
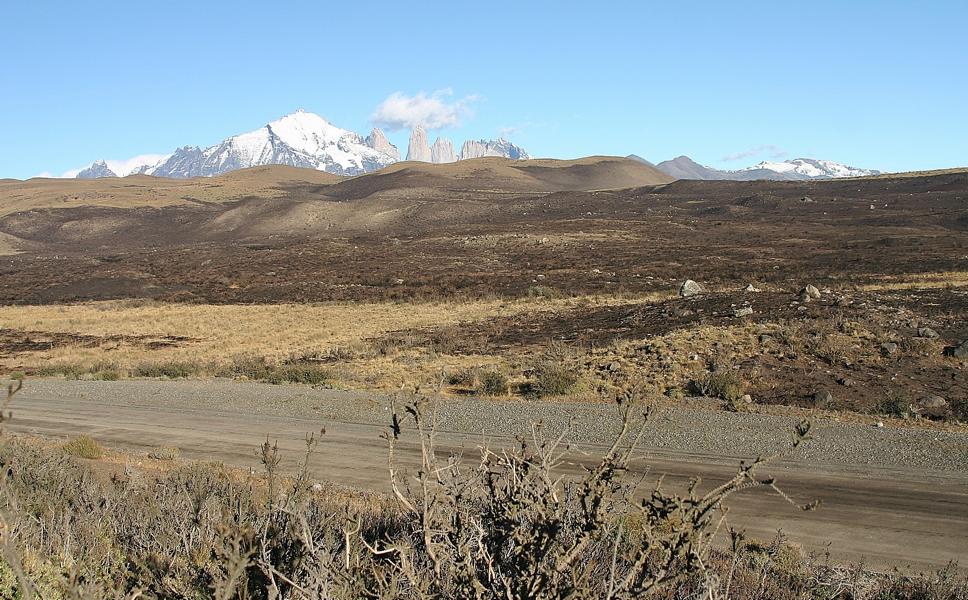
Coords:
pixel 927 332
pixel 959 351
pixel 822 398
pixel 810 292
pixel 690 288
pixel 751 288
pixel 934 407
pixel 888 348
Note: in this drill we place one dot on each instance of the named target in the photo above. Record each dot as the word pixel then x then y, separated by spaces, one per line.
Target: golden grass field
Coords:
pixel 219 333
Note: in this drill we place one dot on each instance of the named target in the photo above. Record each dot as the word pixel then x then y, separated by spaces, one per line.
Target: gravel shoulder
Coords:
pixel 673 429
pixel 890 497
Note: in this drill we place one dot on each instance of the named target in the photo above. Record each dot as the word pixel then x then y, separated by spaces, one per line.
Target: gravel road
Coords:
pixel 892 497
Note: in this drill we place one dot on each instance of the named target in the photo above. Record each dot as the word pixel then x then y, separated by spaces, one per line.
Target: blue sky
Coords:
pixel 874 84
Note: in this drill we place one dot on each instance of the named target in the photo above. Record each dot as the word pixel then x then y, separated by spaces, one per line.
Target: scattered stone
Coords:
pixel 801 308
pixel 880 425
pixel 751 288
pixel 806 199
pixel 398 281
pixel 927 332
pixel 888 348
pixel 747 399
pixel 934 407
pixel 959 351
pixel 844 381
pixel 744 311
pixel 690 288
pixel 766 339
pixel 822 398
pixel 317 487
pixel 614 366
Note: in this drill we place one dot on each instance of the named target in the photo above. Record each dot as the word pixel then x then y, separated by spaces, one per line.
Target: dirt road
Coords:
pixel 876 506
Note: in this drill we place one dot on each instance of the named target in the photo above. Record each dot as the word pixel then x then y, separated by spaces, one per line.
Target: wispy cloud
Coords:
pixel 772 151
pixel 433 111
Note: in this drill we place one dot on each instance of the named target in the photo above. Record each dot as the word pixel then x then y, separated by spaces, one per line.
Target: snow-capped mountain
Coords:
pixel 300 139
pixel 812 168
pixel 798 169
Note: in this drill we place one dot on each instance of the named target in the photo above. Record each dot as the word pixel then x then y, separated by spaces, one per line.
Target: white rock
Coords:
pixel 419 148
pixel 442 151
pixel 690 288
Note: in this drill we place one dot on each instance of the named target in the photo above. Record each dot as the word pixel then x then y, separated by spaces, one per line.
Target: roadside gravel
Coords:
pixel 673 430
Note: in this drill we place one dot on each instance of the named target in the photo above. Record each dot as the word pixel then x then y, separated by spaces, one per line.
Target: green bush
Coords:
pixel 69 371
pixel 170 370
pixel 725 384
pixel 247 366
pixel 308 374
pixel 492 383
pixel 466 377
pixel 106 371
pixel 164 453
pixel 551 379
pixel 83 447
pixel 896 404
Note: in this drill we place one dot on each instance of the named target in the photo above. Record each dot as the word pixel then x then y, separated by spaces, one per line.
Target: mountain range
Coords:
pixel 798 169
pixel 300 139
pixel 307 140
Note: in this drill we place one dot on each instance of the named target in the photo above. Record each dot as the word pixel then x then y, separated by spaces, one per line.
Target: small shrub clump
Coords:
pixel 308 374
pixel 725 384
pixel 465 378
pixel 492 383
pixel 167 370
pixel 83 447
pixel 551 379
pixel 164 453
pixel 895 404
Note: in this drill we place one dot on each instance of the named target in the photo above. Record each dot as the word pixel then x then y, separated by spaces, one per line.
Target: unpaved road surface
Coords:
pixel 890 497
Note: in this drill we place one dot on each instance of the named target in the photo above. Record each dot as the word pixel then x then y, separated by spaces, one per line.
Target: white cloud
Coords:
pixel 123 167
pixel 774 152
pixel 433 111
pixel 118 167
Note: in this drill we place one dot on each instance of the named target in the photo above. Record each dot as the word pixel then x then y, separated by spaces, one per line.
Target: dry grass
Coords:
pixel 218 334
pixel 910 281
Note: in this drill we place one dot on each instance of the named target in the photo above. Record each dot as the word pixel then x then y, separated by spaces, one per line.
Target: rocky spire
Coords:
pixel 379 142
pixel 419 148
pixel 442 151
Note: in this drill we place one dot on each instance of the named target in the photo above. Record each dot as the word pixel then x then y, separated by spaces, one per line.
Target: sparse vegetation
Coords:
pixel 166 453
pixel 83 447
pixel 724 383
pixel 492 383
pixel 167 370
pixel 550 379
pixel 536 535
